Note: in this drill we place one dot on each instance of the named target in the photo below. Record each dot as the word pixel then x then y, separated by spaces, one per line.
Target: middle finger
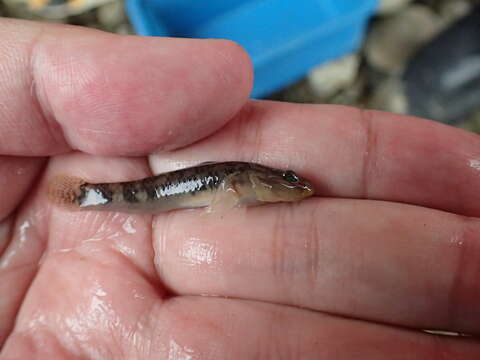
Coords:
pixel 381 261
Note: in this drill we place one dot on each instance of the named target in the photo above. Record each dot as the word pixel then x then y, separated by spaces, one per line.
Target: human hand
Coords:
pixel 390 242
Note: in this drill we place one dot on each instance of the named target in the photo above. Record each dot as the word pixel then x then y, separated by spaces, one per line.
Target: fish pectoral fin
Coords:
pixel 261 189
pixel 226 197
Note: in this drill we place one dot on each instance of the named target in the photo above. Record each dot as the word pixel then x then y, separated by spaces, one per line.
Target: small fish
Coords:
pixel 218 186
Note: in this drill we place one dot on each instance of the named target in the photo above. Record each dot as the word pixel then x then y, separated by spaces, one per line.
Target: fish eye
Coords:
pixel 290 176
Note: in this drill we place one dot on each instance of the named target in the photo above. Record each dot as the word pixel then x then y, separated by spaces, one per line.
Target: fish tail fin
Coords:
pixel 65 189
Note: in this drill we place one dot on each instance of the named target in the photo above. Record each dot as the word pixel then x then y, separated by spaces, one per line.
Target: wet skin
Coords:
pixel 389 245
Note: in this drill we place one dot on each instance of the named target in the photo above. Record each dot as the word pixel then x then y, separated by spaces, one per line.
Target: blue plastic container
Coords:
pixel 285 38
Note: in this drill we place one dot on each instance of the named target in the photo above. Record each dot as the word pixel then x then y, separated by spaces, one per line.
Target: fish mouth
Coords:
pixel 308 190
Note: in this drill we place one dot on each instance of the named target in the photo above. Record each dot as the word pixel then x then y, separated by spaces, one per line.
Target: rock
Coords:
pixel 124 29
pixel 393 40
pixel 353 94
pixel 75 7
pixel 387 7
pixel 442 80
pixel 111 15
pixel 390 96
pixel 299 92
pixel 328 79
pixel 53 9
pixel 472 123
pixel 451 11
pixel 18 9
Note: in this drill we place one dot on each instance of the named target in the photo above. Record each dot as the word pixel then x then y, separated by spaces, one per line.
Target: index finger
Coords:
pixel 351 153
pixel 65 88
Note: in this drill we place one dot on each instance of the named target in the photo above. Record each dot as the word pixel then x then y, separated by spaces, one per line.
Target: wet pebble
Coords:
pixel 390 6
pixel 390 96
pixel 111 15
pixel 58 10
pixel 124 29
pixel 451 11
pixel 394 39
pixel 326 80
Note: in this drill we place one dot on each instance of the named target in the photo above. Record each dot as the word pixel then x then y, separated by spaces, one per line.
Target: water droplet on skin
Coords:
pixel 20 171
pixel 178 352
pixel 196 252
pixel 125 249
pixel 138 295
pixel 457 239
pixel 23 231
pixel 474 163
pixel 18 245
pixel 128 226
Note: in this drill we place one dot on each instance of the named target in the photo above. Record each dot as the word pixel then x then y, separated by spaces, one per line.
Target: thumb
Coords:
pixel 63 87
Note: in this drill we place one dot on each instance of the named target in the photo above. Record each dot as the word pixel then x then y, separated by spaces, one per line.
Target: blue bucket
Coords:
pixel 284 38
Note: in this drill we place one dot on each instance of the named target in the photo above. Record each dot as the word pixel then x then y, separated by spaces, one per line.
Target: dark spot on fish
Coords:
pixel 151 190
pixel 129 193
pixel 203 184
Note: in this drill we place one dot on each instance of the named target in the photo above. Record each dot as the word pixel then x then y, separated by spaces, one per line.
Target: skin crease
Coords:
pixel 390 248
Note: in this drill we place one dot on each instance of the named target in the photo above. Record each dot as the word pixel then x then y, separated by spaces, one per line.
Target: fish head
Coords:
pixel 281 186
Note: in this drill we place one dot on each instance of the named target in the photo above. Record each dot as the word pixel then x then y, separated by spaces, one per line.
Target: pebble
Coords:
pixel 394 39
pixel 388 7
pixel 111 15
pixel 390 96
pixel 52 10
pixel 472 123
pixel 451 11
pixel 124 29
pixel 326 80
